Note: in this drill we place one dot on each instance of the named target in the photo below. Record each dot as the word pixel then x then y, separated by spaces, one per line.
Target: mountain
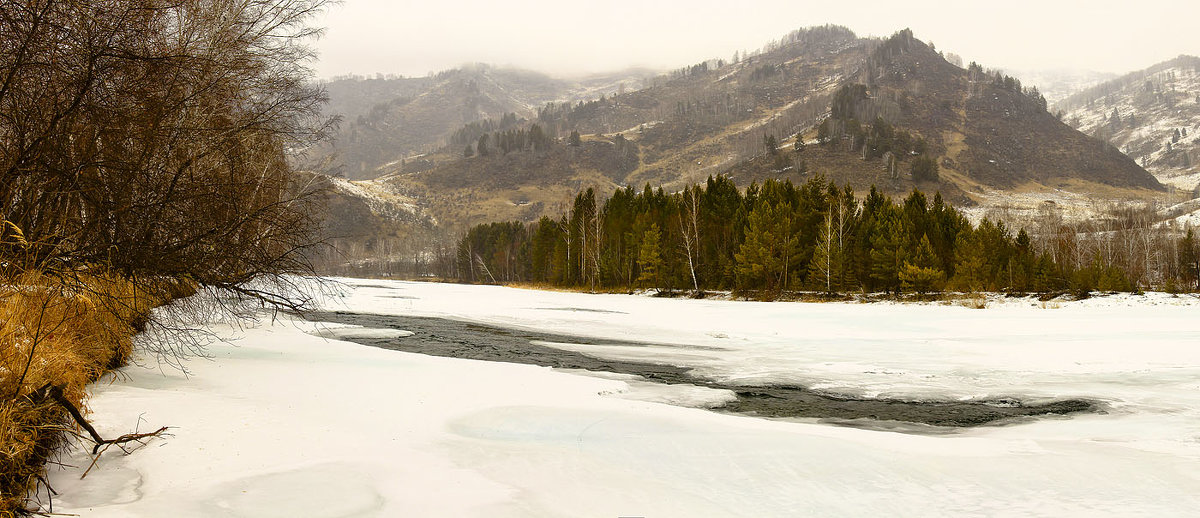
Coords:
pixel 986 129
pixel 882 102
pixel 353 96
pixel 1058 84
pixel 386 121
pixel 1153 115
pixel 892 112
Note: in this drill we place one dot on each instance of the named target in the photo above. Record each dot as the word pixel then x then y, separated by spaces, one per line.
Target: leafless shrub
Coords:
pixel 146 151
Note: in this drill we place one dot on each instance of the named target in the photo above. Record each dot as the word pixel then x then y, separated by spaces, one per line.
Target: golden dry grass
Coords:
pixel 566 289
pixel 52 334
pixel 972 301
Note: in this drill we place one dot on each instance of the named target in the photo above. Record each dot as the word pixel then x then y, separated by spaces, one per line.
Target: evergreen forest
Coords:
pixel 775 239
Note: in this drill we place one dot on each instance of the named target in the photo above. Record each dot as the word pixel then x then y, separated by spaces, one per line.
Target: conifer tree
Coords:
pixel 1189 260
pixel 887 255
pixel 924 169
pixel 482 146
pixel 538 140
pixel 772 145
pixel 544 241
pixel 824 132
pixel 920 273
pixel 649 258
pixel 1023 263
pixel 970 267
pixel 944 225
pixel 757 243
pixel 762 260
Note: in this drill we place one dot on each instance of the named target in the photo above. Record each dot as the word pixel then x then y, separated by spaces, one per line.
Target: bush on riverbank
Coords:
pixel 146 147
pixel 65 333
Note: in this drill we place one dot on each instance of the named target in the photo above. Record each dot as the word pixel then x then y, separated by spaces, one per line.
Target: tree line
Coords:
pixel 513 140
pixel 976 74
pixel 779 237
pixel 470 132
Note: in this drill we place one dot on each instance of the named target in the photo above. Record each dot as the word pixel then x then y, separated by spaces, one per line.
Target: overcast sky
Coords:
pixel 575 37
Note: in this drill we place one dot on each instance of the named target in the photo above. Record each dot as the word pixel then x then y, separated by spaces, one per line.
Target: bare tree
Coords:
pixel 824 253
pixel 597 229
pixel 146 150
pixel 153 138
pixel 689 228
pixel 827 255
pixel 564 228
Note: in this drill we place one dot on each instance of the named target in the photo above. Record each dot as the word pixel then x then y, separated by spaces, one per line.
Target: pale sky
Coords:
pixel 576 37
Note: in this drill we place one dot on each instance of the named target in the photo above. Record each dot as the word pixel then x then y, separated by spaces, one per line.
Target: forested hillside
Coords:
pixel 389 122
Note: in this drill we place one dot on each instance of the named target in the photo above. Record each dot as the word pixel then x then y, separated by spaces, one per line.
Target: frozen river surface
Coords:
pixel 288 420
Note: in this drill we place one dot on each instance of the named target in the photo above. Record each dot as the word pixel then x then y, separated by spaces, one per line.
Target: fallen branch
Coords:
pixel 129 437
pixel 55 392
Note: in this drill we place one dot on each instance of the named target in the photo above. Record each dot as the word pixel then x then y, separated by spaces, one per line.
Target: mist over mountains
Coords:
pixel 386 119
pixel 483 143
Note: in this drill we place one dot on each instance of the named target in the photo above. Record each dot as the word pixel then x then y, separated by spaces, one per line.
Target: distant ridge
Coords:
pixel 1152 115
pixel 889 112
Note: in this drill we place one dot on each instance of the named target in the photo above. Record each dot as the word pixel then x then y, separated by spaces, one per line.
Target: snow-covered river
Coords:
pixel 283 422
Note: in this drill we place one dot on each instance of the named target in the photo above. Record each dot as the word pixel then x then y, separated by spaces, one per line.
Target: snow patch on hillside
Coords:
pixel 382 199
pixel 1190 220
pixel 635 130
pixel 1022 207
pixel 1182 180
pixel 1150 111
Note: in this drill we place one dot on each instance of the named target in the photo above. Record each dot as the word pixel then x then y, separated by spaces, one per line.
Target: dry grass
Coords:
pixel 620 290
pixel 973 301
pixel 53 334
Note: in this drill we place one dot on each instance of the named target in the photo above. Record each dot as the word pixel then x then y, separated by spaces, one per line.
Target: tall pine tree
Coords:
pixel 650 258
pixel 769 246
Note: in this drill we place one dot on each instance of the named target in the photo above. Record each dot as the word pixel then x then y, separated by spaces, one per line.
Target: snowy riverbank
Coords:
pixel 285 423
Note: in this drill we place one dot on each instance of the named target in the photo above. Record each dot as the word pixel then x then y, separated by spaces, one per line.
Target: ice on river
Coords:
pixel 282 422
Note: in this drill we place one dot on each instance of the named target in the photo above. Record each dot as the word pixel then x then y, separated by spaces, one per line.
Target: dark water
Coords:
pixel 441 337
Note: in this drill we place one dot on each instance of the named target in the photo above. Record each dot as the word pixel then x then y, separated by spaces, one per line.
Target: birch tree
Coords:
pixel 689 229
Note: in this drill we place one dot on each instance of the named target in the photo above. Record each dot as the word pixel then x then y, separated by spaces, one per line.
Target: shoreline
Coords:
pixel 976 300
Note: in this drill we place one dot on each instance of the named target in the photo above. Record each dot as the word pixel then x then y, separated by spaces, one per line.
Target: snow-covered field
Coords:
pixel 282 422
